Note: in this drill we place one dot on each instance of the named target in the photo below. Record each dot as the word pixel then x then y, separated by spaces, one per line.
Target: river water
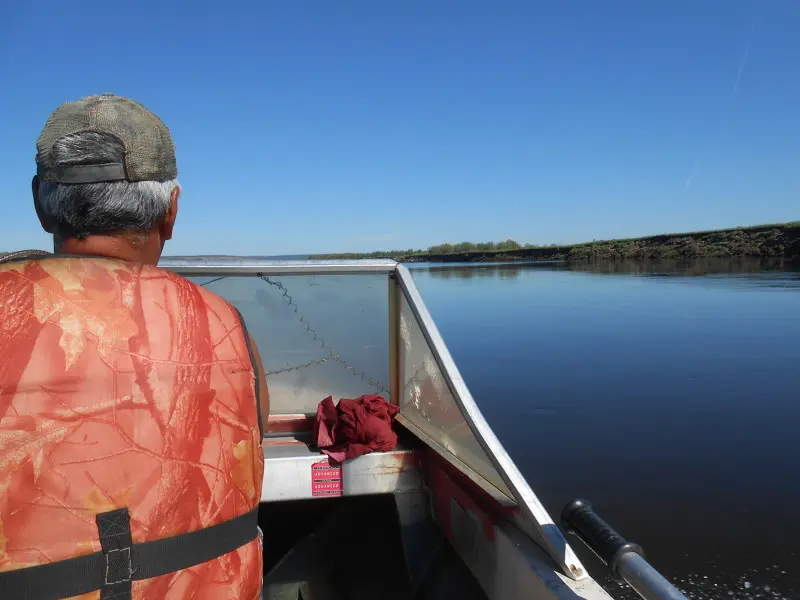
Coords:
pixel 666 394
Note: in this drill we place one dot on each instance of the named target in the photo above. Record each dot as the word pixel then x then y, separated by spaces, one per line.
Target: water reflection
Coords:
pixel 661 268
pixel 473 271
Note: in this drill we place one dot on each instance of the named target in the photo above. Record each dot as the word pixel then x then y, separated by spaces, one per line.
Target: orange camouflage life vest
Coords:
pixel 130 436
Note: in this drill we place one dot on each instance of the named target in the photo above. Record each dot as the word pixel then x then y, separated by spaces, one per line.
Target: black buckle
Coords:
pixel 118 566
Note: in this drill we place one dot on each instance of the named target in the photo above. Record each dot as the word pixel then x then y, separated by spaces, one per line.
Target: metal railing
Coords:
pixel 401 288
pixel 197 267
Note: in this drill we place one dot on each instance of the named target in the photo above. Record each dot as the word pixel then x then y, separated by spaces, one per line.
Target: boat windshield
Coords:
pixel 325 335
pixel 318 335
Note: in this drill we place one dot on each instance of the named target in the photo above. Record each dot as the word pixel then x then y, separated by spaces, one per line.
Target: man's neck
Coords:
pixel 120 246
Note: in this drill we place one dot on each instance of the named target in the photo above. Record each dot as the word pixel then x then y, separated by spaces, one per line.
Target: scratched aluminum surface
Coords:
pixel 288 471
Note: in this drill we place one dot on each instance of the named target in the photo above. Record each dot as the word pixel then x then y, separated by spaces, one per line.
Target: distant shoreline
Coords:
pixel 774 240
pixel 780 240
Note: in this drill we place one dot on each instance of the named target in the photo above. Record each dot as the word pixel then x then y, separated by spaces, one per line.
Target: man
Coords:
pixel 131 399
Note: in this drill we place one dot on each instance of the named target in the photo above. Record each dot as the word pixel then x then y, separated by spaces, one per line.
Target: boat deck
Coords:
pixel 352 548
pixel 359 529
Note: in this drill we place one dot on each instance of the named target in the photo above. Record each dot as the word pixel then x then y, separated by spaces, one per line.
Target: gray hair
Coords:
pixel 94 208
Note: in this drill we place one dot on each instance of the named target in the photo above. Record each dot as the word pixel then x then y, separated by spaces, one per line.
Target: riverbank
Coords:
pixel 762 241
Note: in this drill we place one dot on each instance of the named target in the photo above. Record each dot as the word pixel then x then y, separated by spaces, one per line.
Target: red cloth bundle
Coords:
pixel 354 427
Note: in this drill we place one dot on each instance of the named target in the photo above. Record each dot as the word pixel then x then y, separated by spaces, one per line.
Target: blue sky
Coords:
pixel 312 126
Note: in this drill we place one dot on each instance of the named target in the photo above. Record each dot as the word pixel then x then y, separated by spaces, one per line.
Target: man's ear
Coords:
pixel 168 222
pixel 47 225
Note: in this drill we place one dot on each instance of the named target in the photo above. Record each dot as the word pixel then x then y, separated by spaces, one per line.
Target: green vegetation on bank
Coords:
pixel 778 240
pixel 459 248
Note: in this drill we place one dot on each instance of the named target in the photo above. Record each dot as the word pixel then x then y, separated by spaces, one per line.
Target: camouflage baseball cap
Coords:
pixel 149 151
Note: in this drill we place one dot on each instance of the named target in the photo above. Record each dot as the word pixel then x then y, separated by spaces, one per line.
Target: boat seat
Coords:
pixel 295 471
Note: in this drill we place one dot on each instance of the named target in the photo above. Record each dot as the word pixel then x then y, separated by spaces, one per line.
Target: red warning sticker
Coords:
pixel 326 478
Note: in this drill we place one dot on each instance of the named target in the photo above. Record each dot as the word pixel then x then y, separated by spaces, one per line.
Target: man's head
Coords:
pixel 106 179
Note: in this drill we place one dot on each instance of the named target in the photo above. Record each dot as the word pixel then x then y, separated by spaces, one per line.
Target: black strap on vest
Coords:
pixel 121 561
pixel 115 538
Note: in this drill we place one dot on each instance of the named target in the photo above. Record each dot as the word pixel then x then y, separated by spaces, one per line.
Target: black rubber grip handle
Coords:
pixel 579 518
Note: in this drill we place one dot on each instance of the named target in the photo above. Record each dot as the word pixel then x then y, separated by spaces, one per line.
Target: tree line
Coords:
pixel 465 247
pixel 720 242
pixel 441 249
